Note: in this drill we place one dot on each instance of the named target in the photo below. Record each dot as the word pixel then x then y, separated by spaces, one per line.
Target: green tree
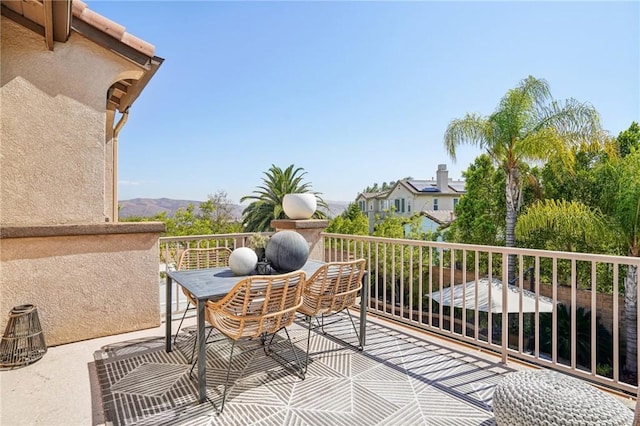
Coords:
pixel 217 212
pixel 568 226
pixel 266 203
pixel 351 222
pixel 577 182
pixel 391 226
pixel 629 139
pixel 527 125
pixel 627 216
pixel 622 229
pixel 480 212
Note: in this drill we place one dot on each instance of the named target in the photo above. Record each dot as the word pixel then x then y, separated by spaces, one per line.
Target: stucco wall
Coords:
pixel 84 286
pixel 53 118
pixel 424 202
pixel 87 278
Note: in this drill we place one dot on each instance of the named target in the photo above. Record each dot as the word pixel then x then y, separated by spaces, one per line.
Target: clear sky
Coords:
pixel 353 92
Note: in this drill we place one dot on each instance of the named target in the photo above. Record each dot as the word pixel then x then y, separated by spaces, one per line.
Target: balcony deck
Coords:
pixel 402 377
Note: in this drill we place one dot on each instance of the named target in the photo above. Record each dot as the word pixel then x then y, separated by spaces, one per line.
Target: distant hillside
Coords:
pixel 151 206
pixel 336 208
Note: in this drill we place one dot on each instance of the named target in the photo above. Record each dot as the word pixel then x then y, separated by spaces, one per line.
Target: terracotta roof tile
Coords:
pixel 138 44
pixel 81 11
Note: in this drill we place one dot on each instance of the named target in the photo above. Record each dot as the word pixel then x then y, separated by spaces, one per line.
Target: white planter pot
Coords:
pixel 299 206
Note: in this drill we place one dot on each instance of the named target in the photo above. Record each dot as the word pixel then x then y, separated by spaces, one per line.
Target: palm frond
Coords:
pixel 571 219
pixel 472 129
pixel 267 198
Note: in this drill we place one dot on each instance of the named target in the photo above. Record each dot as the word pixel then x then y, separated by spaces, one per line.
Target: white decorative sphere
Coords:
pixel 243 261
pixel 300 205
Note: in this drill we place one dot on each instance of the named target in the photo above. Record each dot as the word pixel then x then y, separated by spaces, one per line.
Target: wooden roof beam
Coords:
pixel 48 23
pixel 61 20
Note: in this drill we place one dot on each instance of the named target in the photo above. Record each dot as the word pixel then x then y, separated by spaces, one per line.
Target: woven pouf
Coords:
pixel 543 397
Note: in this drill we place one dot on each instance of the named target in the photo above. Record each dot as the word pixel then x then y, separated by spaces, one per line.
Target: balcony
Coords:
pixel 423 363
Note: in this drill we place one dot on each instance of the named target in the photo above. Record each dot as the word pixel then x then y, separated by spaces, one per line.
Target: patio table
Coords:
pixel 214 283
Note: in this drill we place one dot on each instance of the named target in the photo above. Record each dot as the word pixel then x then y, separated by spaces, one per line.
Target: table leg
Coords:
pixel 202 360
pixel 364 302
pixel 167 316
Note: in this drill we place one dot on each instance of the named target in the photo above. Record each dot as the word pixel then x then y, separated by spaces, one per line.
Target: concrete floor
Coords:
pixel 56 390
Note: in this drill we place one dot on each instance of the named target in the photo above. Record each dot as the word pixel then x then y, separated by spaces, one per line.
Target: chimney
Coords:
pixel 442 176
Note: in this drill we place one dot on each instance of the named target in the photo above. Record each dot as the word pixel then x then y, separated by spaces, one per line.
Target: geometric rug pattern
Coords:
pixel 398 379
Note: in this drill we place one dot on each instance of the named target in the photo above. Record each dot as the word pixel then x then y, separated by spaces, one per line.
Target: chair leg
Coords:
pixel 309 320
pixel 175 339
pixel 355 330
pixel 321 325
pixel 297 369
pixel 195 340
pixel 192 361
pixel 226 382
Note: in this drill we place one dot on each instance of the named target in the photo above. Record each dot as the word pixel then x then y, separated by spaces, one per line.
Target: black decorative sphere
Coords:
pixel 287 251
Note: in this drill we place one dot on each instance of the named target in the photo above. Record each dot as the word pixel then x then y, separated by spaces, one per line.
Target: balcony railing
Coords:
pixel 584 335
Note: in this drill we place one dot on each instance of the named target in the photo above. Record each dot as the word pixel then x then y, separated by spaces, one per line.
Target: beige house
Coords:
pixel 435 199
pixel 68 79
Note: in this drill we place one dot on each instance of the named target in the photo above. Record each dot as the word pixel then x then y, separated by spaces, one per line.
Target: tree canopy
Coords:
pixel 351 222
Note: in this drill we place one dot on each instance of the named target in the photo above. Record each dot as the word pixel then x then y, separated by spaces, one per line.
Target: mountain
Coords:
pixel 151 206
pixel 336 208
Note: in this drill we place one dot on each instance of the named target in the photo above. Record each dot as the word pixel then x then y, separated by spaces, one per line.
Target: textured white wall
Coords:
pixel 56 170
pixel 83 286
pixel 53 118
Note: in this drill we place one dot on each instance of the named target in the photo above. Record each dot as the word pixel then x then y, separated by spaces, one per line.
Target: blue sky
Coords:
pixel 352 92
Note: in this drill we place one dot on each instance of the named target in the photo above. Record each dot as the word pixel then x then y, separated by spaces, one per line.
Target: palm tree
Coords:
pixel 267 198
pixel 528 125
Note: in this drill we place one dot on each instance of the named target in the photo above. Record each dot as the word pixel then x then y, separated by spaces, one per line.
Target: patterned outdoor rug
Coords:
pixel 397 380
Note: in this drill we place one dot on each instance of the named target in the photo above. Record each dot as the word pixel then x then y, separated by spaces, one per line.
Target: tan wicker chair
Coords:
pixel 331 289
pixel 258 307
pixel 200 258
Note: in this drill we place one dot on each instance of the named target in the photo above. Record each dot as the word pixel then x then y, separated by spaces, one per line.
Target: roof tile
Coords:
pixel 81 11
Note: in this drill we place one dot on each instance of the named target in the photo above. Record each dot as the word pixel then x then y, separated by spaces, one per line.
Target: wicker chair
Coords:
pixel 200 258
pixel 258 307
pixel 330 290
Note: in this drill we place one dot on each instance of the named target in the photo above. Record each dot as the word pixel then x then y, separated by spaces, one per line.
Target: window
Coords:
pixel 371 206
pixel 455 202
pixel 435 204
pixel 399 204
pixel 361 205
pixel 384 205
pixel 409 206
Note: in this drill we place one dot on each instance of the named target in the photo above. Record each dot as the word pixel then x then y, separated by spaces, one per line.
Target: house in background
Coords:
pixel 435 200
pixel 68 79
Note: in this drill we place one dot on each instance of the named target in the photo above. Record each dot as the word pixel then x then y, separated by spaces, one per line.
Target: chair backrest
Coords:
pixel 199 258
pixel 333 287
pixel 258 304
